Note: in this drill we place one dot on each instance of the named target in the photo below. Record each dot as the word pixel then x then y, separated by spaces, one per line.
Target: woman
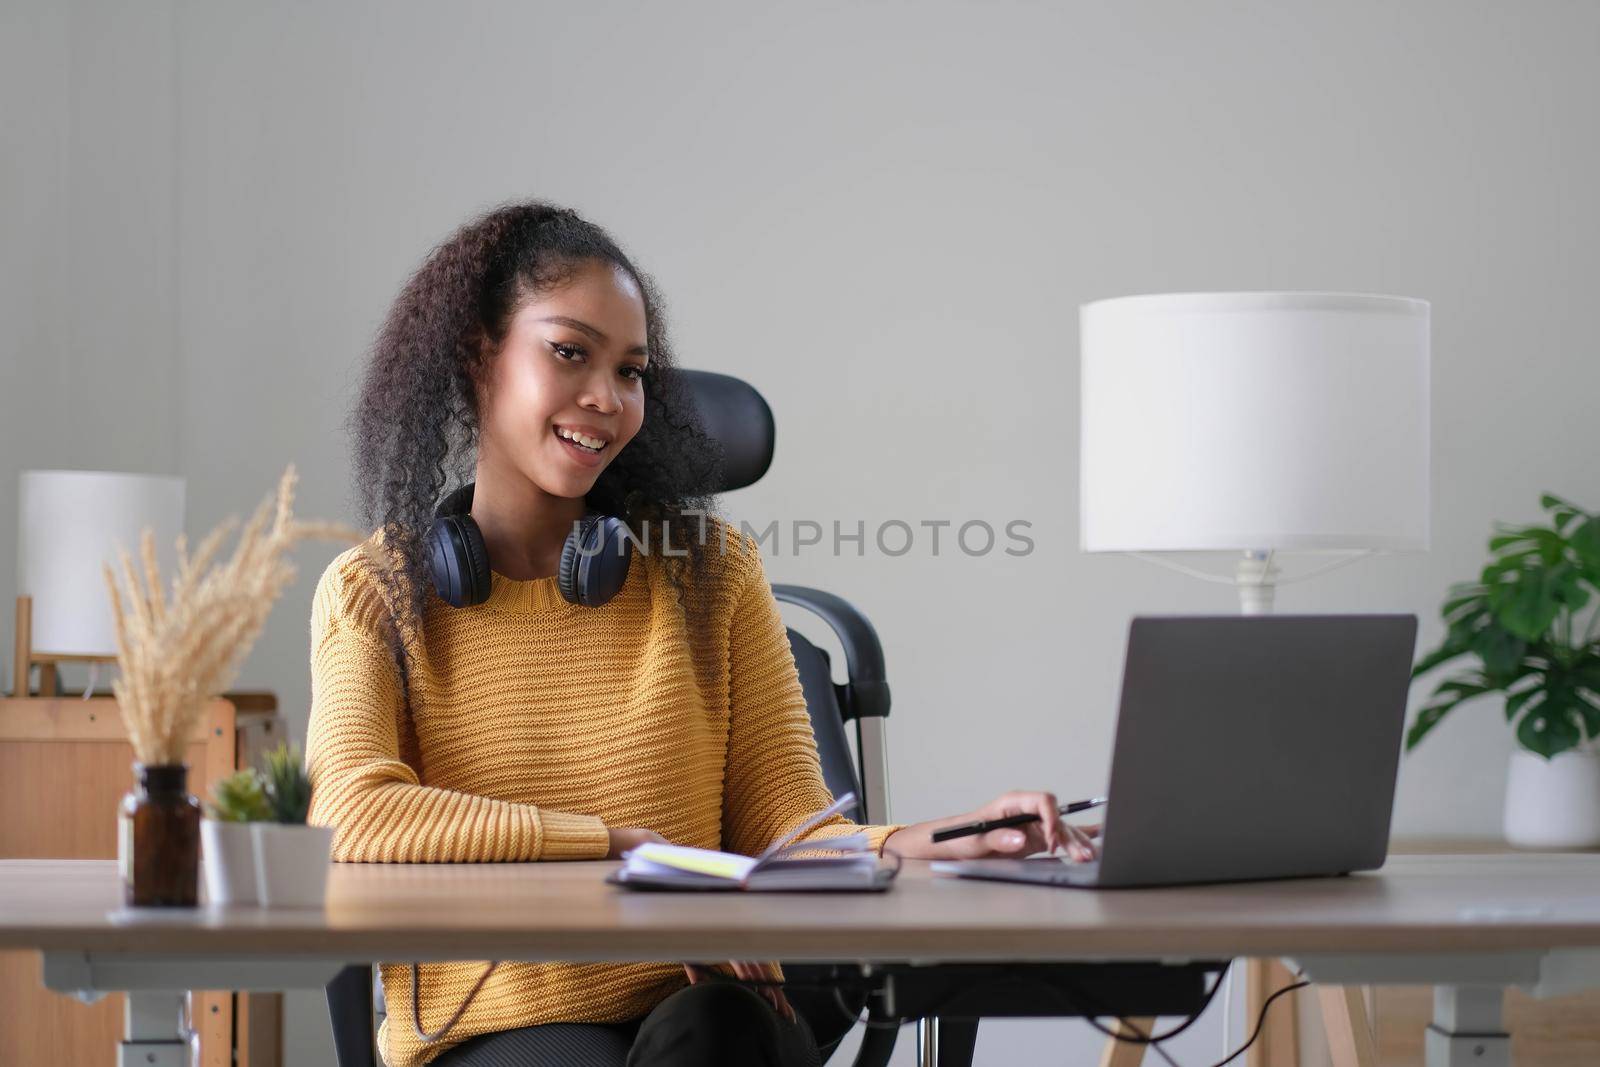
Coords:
pixel 526 727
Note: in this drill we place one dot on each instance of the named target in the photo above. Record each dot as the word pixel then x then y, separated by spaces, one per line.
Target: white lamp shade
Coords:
pixel 71 523
pixel 1254 421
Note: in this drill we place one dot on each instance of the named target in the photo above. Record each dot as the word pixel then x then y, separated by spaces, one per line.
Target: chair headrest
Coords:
pixel 737 418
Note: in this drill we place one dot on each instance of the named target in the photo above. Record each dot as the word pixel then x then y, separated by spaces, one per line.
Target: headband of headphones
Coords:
pixel 594 559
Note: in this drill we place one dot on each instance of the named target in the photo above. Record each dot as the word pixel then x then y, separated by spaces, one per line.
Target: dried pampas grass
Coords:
pixel 176 653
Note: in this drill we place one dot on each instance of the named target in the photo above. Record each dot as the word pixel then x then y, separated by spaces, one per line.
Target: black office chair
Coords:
pixel 946 1000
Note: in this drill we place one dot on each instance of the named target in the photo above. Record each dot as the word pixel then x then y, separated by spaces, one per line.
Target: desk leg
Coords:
pixel 1126 1053
pixel 1467 1028
pixel 1344 1016
pixel 1279 1042
pixel 153 1031
pixel 946 1042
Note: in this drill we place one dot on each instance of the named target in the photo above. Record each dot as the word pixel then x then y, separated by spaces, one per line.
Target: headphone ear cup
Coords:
pixel 594 561
pixel 567 573
pixel 477 559
pixel 458 560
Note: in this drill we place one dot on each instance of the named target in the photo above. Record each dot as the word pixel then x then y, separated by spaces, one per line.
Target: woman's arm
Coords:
pixel 361 785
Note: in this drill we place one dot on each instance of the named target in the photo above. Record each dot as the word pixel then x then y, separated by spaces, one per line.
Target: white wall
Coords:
pixel 88 240
pixel 882 215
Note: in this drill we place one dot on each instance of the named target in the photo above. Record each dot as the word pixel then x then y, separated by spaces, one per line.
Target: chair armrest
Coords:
pixel 868 687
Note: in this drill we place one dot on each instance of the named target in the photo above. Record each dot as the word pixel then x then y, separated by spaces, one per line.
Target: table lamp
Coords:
pixel 1254 422
pixel 70 523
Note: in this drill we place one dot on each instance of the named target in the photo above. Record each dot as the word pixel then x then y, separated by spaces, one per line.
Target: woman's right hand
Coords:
pixel 624 838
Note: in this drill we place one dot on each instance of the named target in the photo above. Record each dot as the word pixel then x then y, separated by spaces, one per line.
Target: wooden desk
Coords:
pixel 1463 923
pixel 1552 1032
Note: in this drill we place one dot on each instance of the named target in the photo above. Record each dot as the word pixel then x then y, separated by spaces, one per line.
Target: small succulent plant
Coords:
pixel 240 797
pixel 287 787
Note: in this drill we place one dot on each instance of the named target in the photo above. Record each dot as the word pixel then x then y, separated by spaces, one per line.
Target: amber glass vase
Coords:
pixel 159 844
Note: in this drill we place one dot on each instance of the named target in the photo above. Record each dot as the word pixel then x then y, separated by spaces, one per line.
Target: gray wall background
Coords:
pixel 884 216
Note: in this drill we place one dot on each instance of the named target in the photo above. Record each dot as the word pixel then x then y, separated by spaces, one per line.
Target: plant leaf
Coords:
pixel 1527 606
pixel 1545 540
pixel 1516 702
pixel 1566 585
pixel 1588 710
pixel 1445 698
pixel 1585 541
pixel 1443 654
pixel 1549 730
pixel 1501 653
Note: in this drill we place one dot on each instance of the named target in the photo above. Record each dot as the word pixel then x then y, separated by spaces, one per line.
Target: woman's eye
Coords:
pixel 637 373
pixel 564 350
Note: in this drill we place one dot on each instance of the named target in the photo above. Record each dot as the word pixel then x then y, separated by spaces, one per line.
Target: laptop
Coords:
pixel 1247 747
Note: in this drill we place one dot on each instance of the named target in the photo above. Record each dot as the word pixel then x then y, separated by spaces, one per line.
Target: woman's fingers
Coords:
pixel 1079 847
pixel 762 974
pixel 779 1000
pixel 1049 818
pixel 1007 842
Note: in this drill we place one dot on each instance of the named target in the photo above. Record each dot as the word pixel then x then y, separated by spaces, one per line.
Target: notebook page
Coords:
pixel 816 820
pixel 850 843
pixel 697 860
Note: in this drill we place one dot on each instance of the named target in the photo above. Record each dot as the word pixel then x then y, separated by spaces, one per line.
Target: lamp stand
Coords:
pixel 27 658
pixel 1257 580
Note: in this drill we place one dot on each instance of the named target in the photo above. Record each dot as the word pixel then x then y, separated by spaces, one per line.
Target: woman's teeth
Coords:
pixel 593 444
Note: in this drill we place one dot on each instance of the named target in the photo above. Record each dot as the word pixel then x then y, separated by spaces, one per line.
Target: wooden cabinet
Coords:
pixel 64 765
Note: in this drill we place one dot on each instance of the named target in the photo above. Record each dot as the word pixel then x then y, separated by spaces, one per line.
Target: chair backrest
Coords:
pixel 827 722
pixel 739 420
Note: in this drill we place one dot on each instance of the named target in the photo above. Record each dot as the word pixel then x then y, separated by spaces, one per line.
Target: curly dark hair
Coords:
pixel 415 427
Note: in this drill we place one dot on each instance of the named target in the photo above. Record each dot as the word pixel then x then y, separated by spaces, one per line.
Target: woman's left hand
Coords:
pixel 752 971
pixel 1047 833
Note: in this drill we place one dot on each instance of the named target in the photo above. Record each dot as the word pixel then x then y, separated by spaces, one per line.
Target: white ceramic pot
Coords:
pixel 292 863
pixel 228 854
pixel 1553 803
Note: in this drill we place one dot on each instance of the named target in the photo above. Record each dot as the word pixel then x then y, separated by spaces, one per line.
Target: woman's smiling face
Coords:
pixel 568 378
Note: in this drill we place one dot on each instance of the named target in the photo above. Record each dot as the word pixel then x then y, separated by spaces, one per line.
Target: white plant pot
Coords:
pixel 1553 803
pixel 292 864
pixel 228 854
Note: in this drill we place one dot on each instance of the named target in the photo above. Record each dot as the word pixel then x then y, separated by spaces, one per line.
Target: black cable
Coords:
pixel 1152 1039
pixel 1140 1035
pixel 1260 1021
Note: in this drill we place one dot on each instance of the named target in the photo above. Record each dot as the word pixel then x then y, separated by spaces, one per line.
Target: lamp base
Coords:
pixel 1257 580
pixel 27 658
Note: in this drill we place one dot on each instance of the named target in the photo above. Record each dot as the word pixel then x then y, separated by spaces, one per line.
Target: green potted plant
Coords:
pixel 227 849
pixel 1529 621
pixel 292 858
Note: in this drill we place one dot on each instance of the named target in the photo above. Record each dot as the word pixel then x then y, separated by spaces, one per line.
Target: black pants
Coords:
pixel 712 1023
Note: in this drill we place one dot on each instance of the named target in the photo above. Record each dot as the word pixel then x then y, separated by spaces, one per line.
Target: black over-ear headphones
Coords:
pixel 594 561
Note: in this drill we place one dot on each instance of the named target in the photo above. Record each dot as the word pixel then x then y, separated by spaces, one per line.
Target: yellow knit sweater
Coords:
pixel 540 724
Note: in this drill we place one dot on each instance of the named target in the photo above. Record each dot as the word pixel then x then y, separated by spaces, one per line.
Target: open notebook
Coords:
pixel 853 865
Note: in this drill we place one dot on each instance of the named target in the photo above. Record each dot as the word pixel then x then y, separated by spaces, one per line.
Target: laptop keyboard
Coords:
pixel 1048 870
pixel 1058 872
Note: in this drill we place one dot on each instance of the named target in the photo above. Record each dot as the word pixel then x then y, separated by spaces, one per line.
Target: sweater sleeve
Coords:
pixel 360 783
pixel 774 776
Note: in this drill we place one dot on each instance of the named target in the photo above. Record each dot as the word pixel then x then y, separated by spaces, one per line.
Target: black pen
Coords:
pixel 968 829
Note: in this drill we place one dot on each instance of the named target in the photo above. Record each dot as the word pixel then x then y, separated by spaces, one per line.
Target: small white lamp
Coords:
pixel 1254 422
pixel 70 523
